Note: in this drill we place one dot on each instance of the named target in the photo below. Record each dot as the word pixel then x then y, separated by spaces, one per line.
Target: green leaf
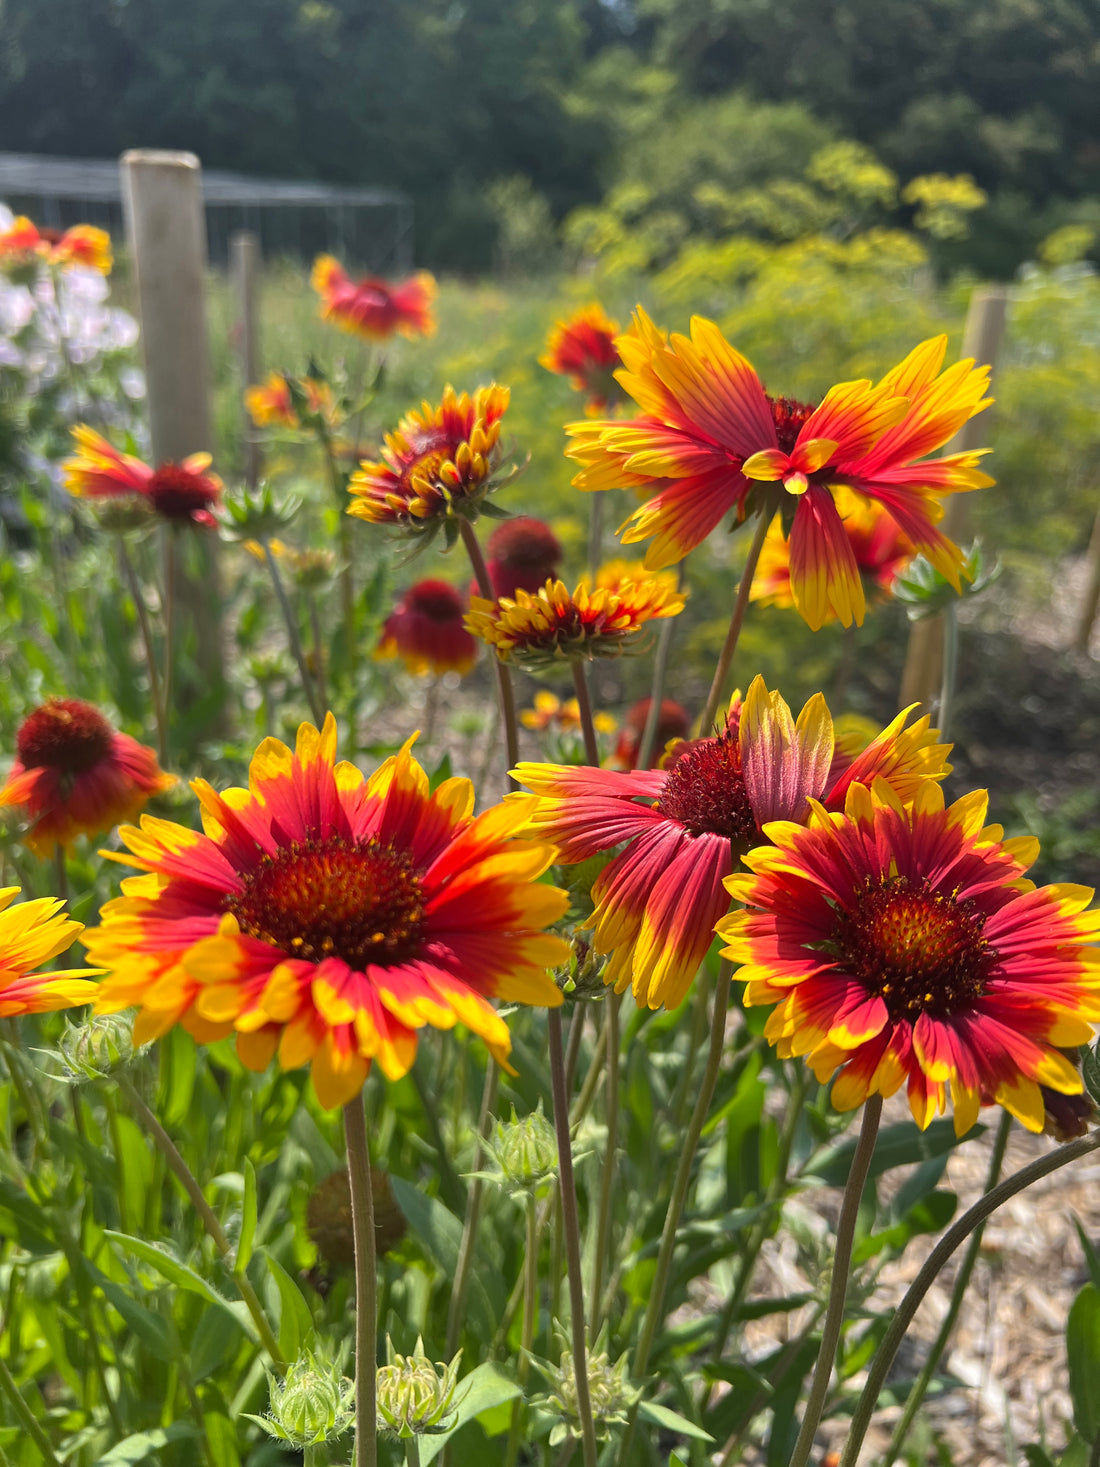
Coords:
pixel 672 1421
pixel 899 1145
pixel 440 1234
pixel 482 1390
pixel 928 1216
pixel 1092 1258
pixel 140 1446
pixel 1083 1351
pixel 151 1330
pixel 248 1219
pixel 295 1319
pixel 183 1277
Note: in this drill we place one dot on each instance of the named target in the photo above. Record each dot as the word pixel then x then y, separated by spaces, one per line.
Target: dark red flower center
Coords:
pixel 705 792
pixel 178 494
pixel 525 542
pixel 362 902
pixel 64 734
pixel 919 950
pixel 789 416
pixel 434 599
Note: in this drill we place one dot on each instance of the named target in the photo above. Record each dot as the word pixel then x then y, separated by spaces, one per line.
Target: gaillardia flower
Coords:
pixel 583 349
pixel 327 916
pixel 32 933
pixel 905 946
pixel 558 625
pixel 372 307
pixel 438 464
pixel 708 434
pixel 272 403
pixel 672 723
pixel 687 826
pixel 564 717
pixel 82 244
pixel 182 493
pixel 881 550
pixel 426 631
pixel 74 775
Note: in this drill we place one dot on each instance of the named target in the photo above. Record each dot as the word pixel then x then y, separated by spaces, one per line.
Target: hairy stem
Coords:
pixel 366 1284
pixel 293 635
pixel 504 677
pixel 133 585
pixel 584 704
pixel 473 1216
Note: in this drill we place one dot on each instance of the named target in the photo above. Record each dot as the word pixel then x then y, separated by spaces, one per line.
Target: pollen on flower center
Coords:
pixel 362 902
pixel 176 493
pixel 705 792
pixel 789 416
pixel 64 734
pixel 917 949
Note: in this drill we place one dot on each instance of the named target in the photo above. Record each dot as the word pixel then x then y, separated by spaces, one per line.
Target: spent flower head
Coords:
pixel 416 1396
pixel 312 1403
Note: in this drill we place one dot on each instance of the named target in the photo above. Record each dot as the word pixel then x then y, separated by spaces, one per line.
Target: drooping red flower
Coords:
pixel 708 433
pixel 673 722
pixel 426 631
pixel 583 349
pixel 182 493
pixel 74 775
pixel 904 946
pixel 373 307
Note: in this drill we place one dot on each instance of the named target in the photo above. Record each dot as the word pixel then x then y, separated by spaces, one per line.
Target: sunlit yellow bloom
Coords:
pixel 32 933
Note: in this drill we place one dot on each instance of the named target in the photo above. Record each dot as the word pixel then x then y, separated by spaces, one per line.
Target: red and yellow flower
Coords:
pixel 709 434
pixel 272 403
pixel 31 933
pixel 373 307
pixel 550 712
pixel 426 631
pixel 558 625
pixel 687 825
pixel 182 493
pixel 672 723
pixel 74 775
pixel 905 946
pixel 82 244
pixel 583 349
pixel 439 463
pixel 881 550
pixel 327 917
pixel 522 554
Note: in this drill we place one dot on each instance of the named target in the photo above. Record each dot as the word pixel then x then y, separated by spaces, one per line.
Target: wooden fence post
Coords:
pixel 244 261
pixel 166 230
pixel 985 323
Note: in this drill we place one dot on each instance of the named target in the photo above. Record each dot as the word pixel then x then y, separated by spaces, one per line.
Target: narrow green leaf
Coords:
pixel 1092 1258
pixel 482 1390
pixel 1083 1351
pixel 153 1332
pixel 248 1218
pixel 141 1446
pixel 295 1319
pixel 181 1275
pixel 898 1145
pixel 673 1421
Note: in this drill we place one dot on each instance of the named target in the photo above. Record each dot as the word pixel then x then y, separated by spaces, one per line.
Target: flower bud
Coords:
pixel 526 1151
pixel 415 1396
pixel 312 1403
pixel 95 1048
pixel 610 1390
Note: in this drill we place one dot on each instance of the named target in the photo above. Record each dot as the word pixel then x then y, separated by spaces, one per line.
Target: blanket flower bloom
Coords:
pixel 672 723
pixel 522 554
pixel 709 435
pixel 439 463
pixel 425 630
pixel 82 244
pixel 904 946
pixel 372 307
pixel 74 775
pixel 182 493
pixel 31 933
pixel 881 550
pixel 558 625
pixel 328 917
pixel 583 349
pixel 277 402
pixel 688 825
pixel 550 712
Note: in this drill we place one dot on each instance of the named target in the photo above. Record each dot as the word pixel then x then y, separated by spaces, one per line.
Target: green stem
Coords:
pixel 527 1328
pixel 950 667
pixel 318 648
pixel 450 1186
pixel 468 1245
pixel 655 1310
pixel 142 612
pixel 956 1234
pixel 504 677
pixel 293 635
pixel 584 705
pixel 347 582
pixel 737 617
pixel 966 1269
pixel 648 744
pixel 169 608
pixel 366 1284
pixel 838 1292
pixel 772 1197
pixel 732 1451
pixel 592 1077
pixel 603 1221
pixel 571 1230
pixel 210 1222
pixel 412 1452
pixel 26 1415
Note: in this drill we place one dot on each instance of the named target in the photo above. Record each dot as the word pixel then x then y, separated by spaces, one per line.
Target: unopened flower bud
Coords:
pixel 526 1151
pixel 609 1388
pixel 581 979
pixel 416 1397
pixel 92 1050
pixel 311 1404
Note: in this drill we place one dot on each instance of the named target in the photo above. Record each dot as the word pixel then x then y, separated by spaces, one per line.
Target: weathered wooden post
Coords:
pixel 244 263
pixel 922 677
pixel 166 230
